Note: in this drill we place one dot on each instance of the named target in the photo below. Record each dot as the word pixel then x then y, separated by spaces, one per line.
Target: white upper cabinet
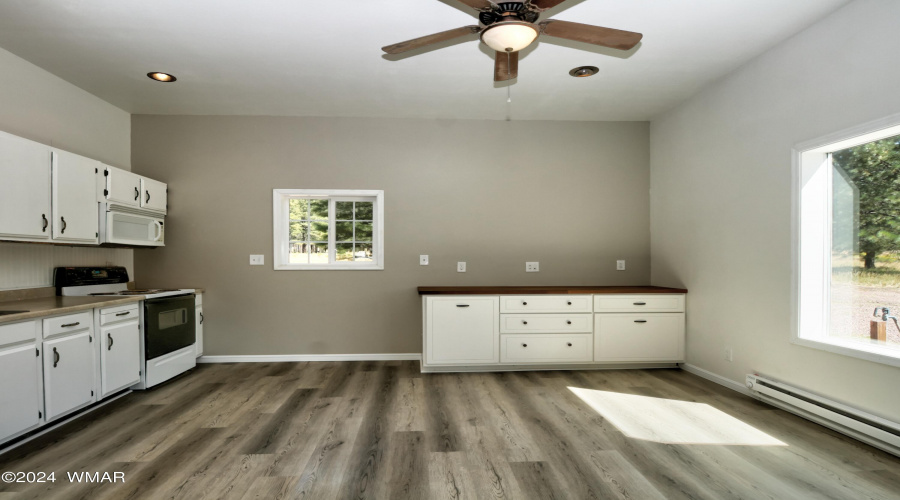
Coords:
pixel 153 195
pixel 24 189
pixel 122 187
pixel 75 215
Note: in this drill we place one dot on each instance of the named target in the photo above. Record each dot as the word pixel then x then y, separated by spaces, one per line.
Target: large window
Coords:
pixel 328 229
pixel 848 244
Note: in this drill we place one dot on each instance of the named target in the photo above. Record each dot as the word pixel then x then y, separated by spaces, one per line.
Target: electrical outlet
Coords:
pixel 460 267
pixel 620 265
pixel 257 260
pixel 532 267
pixel 729 354
pixel 423 260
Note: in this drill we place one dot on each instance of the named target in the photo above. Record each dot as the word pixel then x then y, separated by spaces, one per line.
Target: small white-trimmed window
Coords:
pixel 328 229
pixel 847 242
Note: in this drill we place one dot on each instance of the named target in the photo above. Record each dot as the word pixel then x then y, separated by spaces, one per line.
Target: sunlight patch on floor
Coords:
pixel 671 421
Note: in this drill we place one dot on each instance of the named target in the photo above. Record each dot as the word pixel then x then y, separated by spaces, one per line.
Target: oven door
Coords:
pixel 168 324
pixel 131 229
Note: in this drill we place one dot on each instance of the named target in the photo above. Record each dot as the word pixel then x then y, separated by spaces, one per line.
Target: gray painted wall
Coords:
pixel 39 106
pixel 721 198
pixel 573 196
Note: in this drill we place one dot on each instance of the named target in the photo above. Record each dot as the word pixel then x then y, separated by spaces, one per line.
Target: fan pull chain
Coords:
pixel 508 77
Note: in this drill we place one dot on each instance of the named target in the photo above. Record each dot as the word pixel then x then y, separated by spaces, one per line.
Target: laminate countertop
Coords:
pixel 541 290
pixel 55 305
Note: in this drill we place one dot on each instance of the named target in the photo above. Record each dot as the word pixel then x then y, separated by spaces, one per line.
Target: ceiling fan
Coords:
pixel 508 27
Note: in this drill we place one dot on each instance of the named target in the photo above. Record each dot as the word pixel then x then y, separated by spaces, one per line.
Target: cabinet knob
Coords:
pixel 523 345
pixel 569 303
pixel 569 344
pixel 524 322
pixel 568 322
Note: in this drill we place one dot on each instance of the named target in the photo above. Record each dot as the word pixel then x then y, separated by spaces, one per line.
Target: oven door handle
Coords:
pixel 159 229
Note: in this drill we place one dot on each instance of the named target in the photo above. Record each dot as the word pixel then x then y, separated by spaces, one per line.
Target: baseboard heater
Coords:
pixel 868 428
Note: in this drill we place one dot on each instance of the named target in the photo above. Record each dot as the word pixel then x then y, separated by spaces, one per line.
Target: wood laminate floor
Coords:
pixel 384 430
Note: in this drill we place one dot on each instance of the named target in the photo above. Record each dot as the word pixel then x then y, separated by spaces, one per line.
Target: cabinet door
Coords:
pixel 639 337
pixel 199 319
pixel 120 357
pixel 153 195
pixel 75 211
pixel 24 189
pixel 20 391
pixel 123 187
pixel 68 374
pixel 462 330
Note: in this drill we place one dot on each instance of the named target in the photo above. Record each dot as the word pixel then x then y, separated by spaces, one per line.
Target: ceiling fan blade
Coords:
pixel 597 35
pixel 506 66
pixel 478 4
pixel 542 5
pixel 443 36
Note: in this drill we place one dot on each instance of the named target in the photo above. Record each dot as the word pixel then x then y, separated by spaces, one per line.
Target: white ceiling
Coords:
pixel 323 58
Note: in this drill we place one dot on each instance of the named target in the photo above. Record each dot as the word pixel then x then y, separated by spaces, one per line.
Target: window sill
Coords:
pixel 327 267
pixel 876 353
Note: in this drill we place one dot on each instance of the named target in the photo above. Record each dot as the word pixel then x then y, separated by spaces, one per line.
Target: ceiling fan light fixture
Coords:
pixel 161 77
pixel 584 71
pixel 509 36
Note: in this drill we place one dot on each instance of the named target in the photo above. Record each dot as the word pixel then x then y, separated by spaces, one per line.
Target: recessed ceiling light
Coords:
pixel 161 77
pixel 584 71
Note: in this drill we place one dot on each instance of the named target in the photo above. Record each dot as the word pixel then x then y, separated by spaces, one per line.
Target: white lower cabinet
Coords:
pixel 20 379
pixel 631 337
pixel 68 373
pixel 120 357
pixel 462 330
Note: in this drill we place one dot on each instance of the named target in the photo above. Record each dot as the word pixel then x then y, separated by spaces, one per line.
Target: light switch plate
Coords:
pixel 257 260
pixel 423 260
pixel 532 267
pixel 460 267
pixel 620 265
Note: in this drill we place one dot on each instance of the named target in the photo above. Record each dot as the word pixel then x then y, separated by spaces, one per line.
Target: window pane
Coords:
pixel 865 248
pixel 343 231
pixel 319 231
pixel 363 252
pixel 297 252
pixel 318 209
pixel 343 210
pixel 299 231
pixel 318 252
pixel 363 210
pixel 363 231
pixel 344 252
pixel 299 209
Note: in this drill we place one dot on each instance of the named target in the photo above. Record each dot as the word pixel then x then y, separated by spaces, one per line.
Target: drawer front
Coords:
pixel 109 315
pixel 16 333
pixel 553 348
pixel 546 323
pixel 639 337
pixel 69 323
pixel 545 304
pixel 639 303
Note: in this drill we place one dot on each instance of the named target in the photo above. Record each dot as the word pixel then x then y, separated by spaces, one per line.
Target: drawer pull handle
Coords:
pixel 137 193
pixel 64 225
pixel 640 303
pixel 126 313
pixel 46 222
pixel 569 344
pixel 462 305
pixel 55 357
pixel 524 322
pixel 569 303
pixel 109 341
pixel 568 322
pixel 201 315
pixel 640 321
pixel 523 345
pixel 71 324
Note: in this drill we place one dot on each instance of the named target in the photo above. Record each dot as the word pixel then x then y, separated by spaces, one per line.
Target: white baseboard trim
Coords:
pixel 276 358
pixel 712 377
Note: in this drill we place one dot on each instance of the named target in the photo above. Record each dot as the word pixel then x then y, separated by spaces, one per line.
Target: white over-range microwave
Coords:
pixel 131 226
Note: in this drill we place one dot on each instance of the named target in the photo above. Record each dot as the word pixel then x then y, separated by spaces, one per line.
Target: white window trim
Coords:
pixel 280 216
pixel 808 323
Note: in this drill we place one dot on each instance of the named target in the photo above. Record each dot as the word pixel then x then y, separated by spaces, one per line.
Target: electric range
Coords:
pixel 168 325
